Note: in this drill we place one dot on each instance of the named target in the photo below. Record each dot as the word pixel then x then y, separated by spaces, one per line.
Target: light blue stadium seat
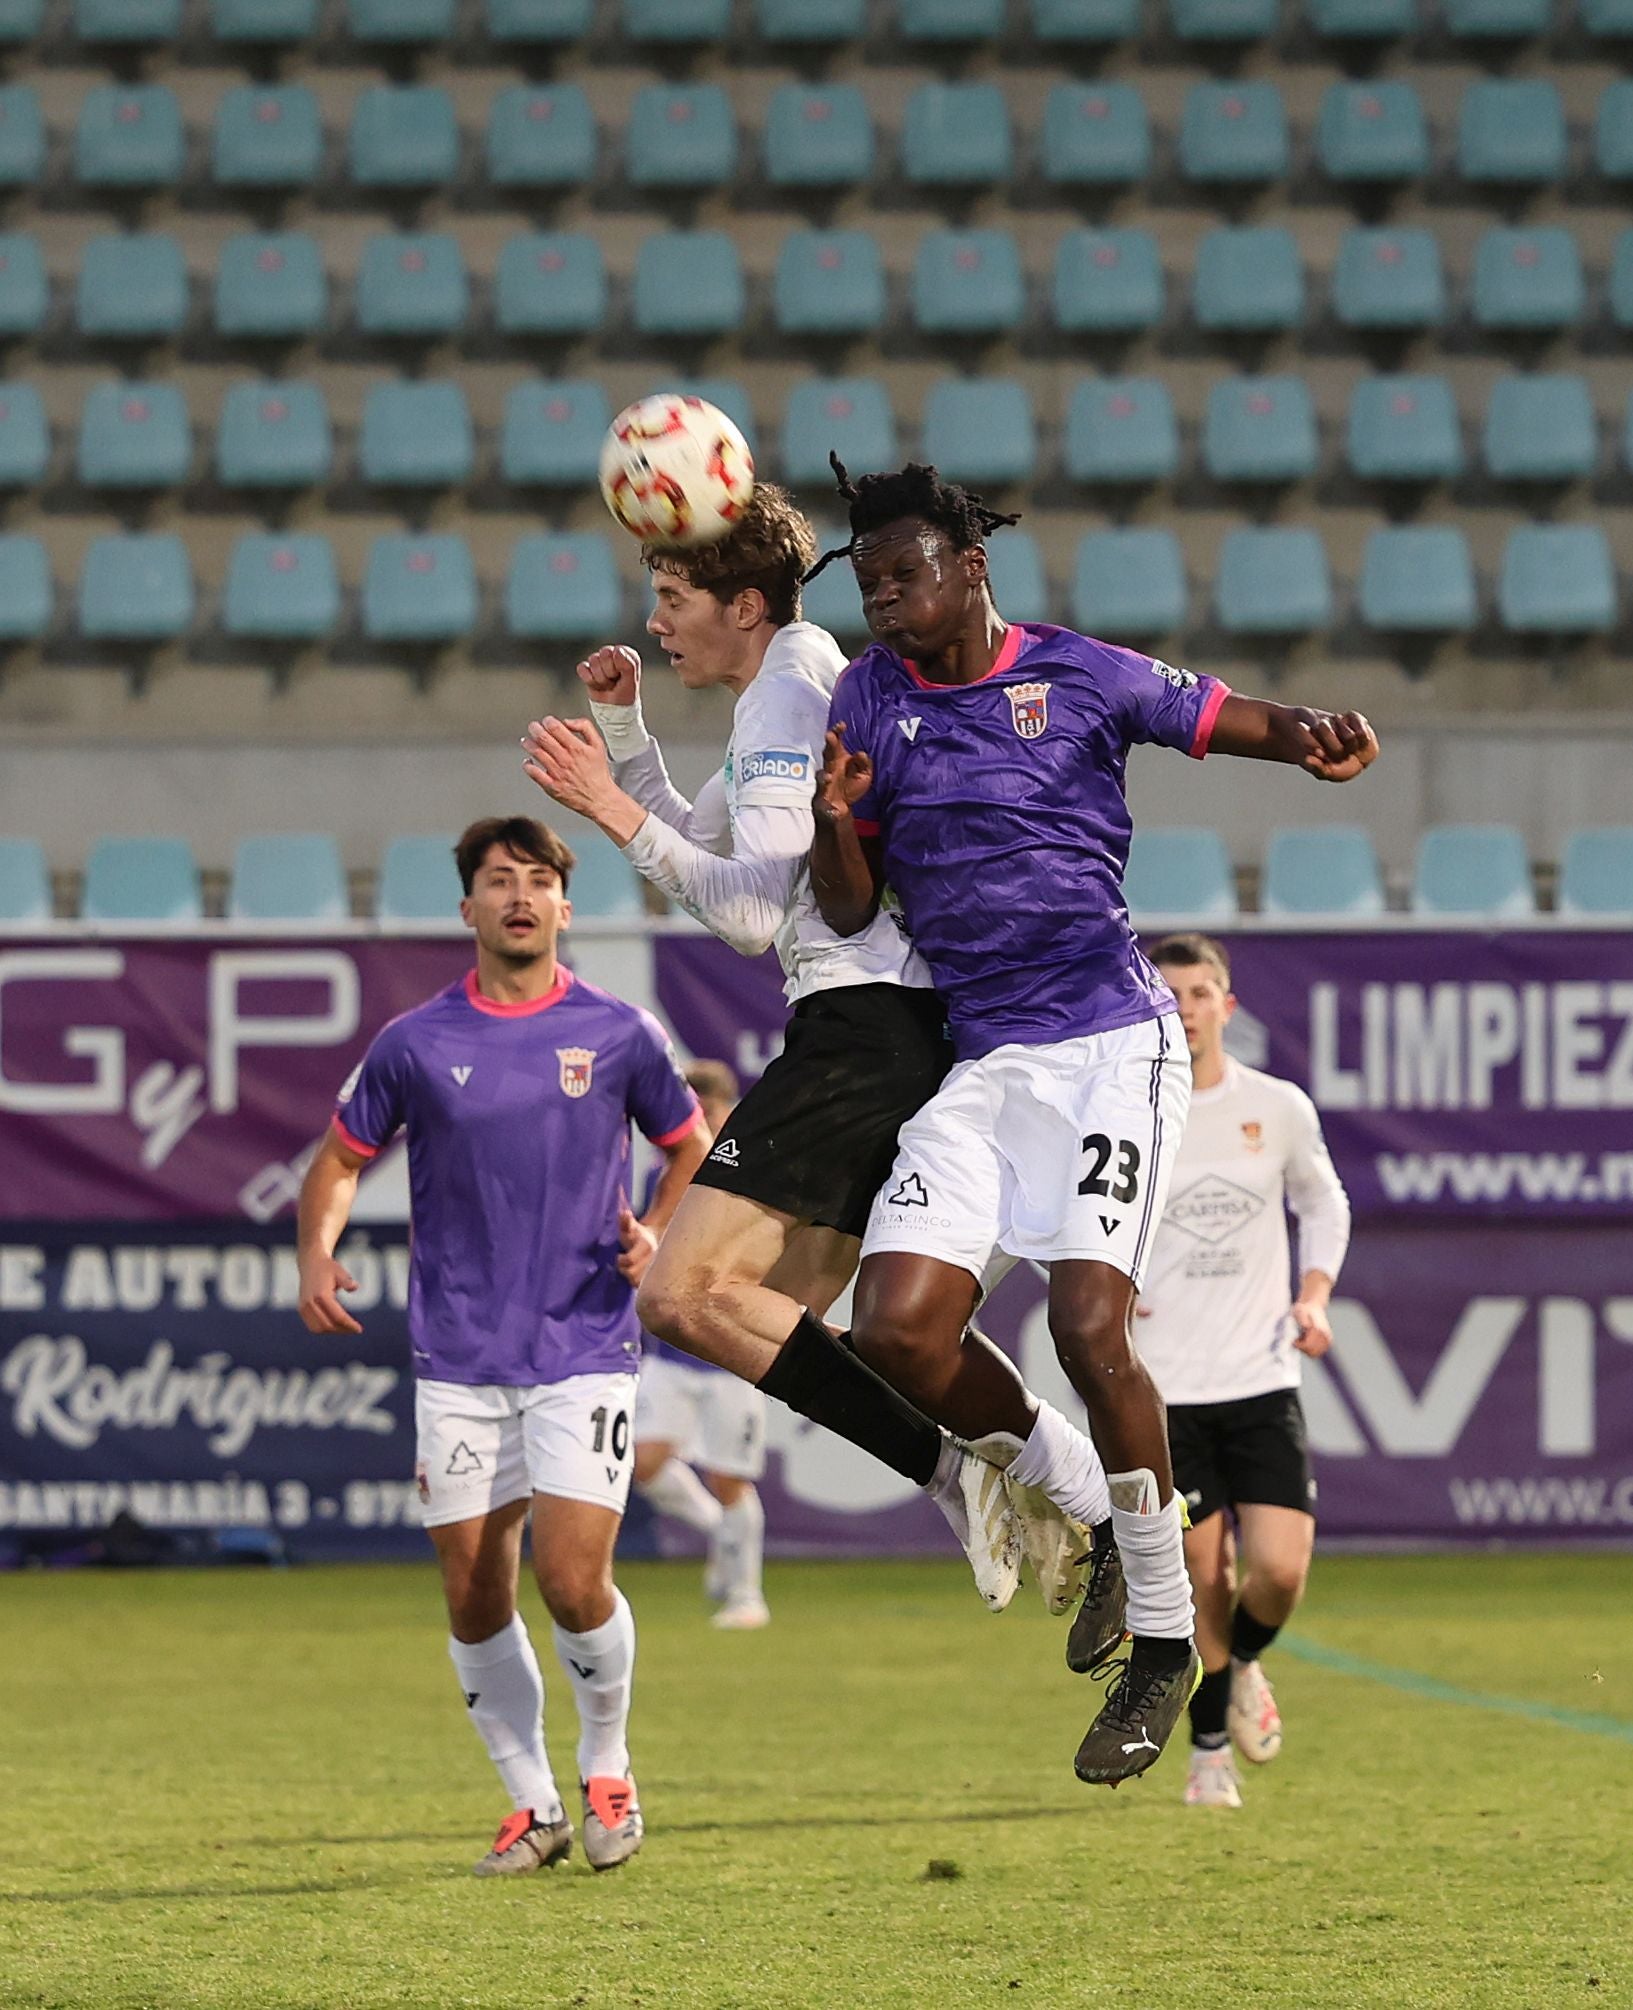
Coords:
pixel 418 881
pixel 1620 289
pixel 967 282
pixel 263 20
pixel 1248 280
pixel 1473 870
pixel 1404 429
pixel 136 588
pixel 273 435
pixel 25 882
pixel 724 392
pixel 1233 132
pixel 1362 20
pixel 1273 582
pixel 401 20
pixel 403 136
pixel 1540 429
pixel 541 136
pixel 27 594
pixel 419 588
pixel 417 435
pixel 957 136
pixel 1326 870
pixel 288 876
pixel 818 136
pixel 544 21
pixel 132 287
pixel 267 136
pixel 412 285
pixel 550 284
pixel 1610 19
pixel 1418 579
pixel 1180 874
pixel 127 20
pixel 141 879
pixel 1389 279
pixel 1528 278
pixel 1095 136
pixel 810 21
pixel 980 429
pixel 1260 429
pixel 1084 21
pixel 604 885
pixel 271 287
pixel 689 283
pixel 829 282
pixel 1108 282
pixel 1557 579
pixel 1511 130
pixel 680 136
pixel 949 20
pixel 129 136
pixel 25 292
pixel 563 587
pixel 1121 430
pixel 1129 584
pixel 134 436
pixel 22 136
pixel 1595 874
pixel 677 20
pixel 849 416
pixel 1222 20
pixel 1015 568
pixel 25 438
pixel 552 432
pixel 281 587
pixel 1613 132
pixel 1496 20
pixel 20 20
pixel 1372 132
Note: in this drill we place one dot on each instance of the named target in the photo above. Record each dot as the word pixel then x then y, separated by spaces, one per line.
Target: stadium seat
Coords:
pixel 1121 430
pixel 1222 20
pixel 541 136
pixel 1511 130
pixel 401 20
pixel 677 20
pixel 1084 21
pixel 273 435
pixel 968 282
pixel 25 292
pixel 271 287
pixel 544 21
pixel 689 283
pixel 127 20
pixel 553 284
pixel 1260 429
pixel 128 136
pixel 828 282
pixel 1613 133
pixel 810 21
pixel 25 438
pixel 1248 280
pixel 680 136
pixel 1362 20
pixel 1389 279
pixel 281 587
pixel 950 20
pixel 605 886
pixel 22 136
pixel 957 136
pixel 141 879
pixel 1627 436
pixel 725 392
pixel 132 287
pixel 980 429
pixel 1184 875
pixel 1496 20
pixel 563 587
pixel 1473 869
pixel 1595 874
pixel 1611 20
pixel 1557 579
pixel 1404 429
pixel 136 588
pixel 27 595
pixel 1015 567
pixel 403 136
pixel 25 882
pixel 1540 429
pixel 416 435
pixel 552 431
pixel 418 881
pixel 263 20
pixel 20 21
pixel 1620 289
pixel 418 589
pixel 1325 871
pixel 134 436
pixel 1273 582
pixel 1527 279
pixel 849 416
pixel 1095 136
pixel 268 136
pixel 1129 584
pixel 412 285
pixel 1233 132
pixel 1372 132
pixel 1418 579
pixel 288 876
pixel 1108 282
pixel 818 136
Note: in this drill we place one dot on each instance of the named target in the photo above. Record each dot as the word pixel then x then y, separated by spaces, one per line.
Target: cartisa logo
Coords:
pixel 774 766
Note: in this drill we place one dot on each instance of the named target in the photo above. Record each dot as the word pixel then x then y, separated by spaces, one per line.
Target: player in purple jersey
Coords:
pixel 516 1087
pixel 978 766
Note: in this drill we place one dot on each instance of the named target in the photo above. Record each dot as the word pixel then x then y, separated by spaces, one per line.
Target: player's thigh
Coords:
pixel 715 1239
pixel 579 1437
pixel 941 1197
pixel 815 1267
pixel 480 1560
pixel 1277 1544
pixel 666 1407
pixel 731 1441
pixel 469 1454
pixel 573 1543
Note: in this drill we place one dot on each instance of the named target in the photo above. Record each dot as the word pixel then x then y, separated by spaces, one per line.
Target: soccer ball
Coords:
pixel 675 470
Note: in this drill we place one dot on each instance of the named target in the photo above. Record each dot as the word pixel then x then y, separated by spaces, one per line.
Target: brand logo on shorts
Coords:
pixel 577 1065
pixel 910 729
pixel 909 1192
pixel 463 1462
pixel 461 1075
pixel 1029 708
pixel 1110 1223
pixel 724 1153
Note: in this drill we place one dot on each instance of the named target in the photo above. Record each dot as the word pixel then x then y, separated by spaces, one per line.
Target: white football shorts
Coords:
pixel 480 1447
pixel 714 1420
pixel 1053 1153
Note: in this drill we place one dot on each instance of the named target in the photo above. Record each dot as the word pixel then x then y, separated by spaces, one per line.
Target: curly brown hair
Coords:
pixel 770 549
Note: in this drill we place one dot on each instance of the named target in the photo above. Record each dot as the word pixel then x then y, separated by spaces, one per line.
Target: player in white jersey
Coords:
pixel 1221 1331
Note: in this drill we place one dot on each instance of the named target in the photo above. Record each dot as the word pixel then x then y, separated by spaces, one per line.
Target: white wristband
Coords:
pixel 623 729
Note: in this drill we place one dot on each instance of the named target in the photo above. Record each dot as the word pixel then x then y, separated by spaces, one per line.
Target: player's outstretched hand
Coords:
pixel 637 1246
pixel 567 760
pixel 613 675
pixel 1341 745
pixel 320 1307
pixel 1314 1335
pixel 845 777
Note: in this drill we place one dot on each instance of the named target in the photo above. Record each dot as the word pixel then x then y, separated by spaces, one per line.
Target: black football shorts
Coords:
pixel 1252 1452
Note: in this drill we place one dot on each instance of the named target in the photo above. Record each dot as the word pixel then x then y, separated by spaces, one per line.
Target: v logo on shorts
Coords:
pixel 1110 1223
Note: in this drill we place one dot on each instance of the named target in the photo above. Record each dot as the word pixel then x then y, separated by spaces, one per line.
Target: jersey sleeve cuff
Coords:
pixel 1206 722
pixel 680 1131
pixel 354 1143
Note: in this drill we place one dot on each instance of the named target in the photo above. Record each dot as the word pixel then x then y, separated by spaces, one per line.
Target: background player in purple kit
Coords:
pixel 516 1087
pixel 978 767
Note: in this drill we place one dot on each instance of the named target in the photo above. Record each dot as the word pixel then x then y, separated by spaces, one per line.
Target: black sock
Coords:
pixel 1208 1708
pixel 821 1379
pixel 1249 1637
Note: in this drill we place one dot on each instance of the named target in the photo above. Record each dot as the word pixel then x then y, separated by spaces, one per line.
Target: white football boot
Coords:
pixel 1211 1782
pixel 1253 1720
pixel 524 1844
pixel 742 1615
pixel 613 1829
pixel 970 1492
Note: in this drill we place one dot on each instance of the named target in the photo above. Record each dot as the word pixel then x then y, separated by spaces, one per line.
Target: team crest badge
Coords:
pixel 1253 1137
pixel 577 1065
pixel 1029 707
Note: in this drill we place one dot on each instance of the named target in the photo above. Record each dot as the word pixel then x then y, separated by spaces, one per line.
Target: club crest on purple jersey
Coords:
pixel 577 1065
pixel 1029 707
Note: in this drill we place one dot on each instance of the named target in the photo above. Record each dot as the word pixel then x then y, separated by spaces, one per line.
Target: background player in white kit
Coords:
pixel 1216 1330
pixel 516 1087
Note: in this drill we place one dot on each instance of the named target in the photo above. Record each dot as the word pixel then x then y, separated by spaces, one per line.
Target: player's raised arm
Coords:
pixel 327 1194
pixel 1332 746
pixel 845 874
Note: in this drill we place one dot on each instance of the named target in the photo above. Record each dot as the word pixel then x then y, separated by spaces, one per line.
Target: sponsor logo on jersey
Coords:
pixel 1029 708
pixel 774 765
pixel 577 1065
pixel 1213 1209
pixel 1182 680
pixel 910 729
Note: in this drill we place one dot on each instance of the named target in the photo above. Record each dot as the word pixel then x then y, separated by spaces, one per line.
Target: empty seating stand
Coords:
pixel 1179 875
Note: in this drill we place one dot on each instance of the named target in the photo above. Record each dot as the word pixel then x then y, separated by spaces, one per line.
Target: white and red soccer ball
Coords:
pixel 675 470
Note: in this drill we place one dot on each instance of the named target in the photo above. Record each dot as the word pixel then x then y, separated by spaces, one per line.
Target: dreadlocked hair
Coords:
pixel 917 491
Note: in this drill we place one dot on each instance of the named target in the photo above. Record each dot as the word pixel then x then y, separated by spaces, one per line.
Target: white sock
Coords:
pixel 1153 1553
pixel 739 1551
pixel 675 1490
pixel 600 1665
pixel 1061 1459
pixel 504 1693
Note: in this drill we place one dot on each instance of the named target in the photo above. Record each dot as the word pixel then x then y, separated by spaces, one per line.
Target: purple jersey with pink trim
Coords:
pixel 1000 809
pixel 518 1123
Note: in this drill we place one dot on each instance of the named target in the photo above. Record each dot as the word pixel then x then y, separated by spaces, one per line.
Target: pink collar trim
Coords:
pixel 527 1010
pixel 1014 636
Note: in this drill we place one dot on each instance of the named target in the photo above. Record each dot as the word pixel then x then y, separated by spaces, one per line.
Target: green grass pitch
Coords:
pixel 225 1789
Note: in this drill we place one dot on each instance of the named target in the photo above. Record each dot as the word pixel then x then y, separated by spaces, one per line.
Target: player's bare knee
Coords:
pixel 1094 1337
pixel 577 1592
pixel 477 1610
pixel 894 1347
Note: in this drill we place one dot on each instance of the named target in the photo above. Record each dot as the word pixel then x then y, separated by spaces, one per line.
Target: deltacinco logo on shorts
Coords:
pixel 909 1191
pixel 1029 708
pixel 774 765
pixel 577 1065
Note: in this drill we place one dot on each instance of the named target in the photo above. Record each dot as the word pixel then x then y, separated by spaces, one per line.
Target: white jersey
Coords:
pixel 738 859
pixel 1213 1320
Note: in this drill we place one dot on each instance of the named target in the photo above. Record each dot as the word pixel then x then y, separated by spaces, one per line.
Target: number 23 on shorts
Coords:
pixel 1099 1149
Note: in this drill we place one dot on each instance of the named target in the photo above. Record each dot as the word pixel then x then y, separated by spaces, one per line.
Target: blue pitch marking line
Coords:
pixel 1434 1690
